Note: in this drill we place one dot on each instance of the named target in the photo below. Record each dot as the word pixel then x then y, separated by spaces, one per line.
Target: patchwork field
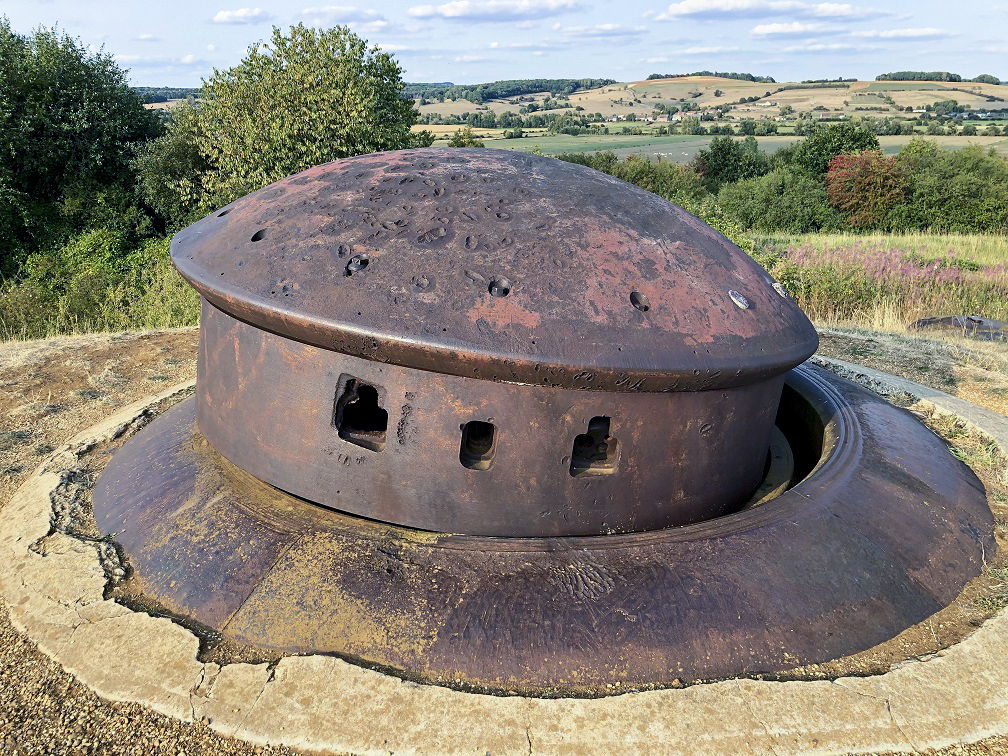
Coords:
pixel 641 97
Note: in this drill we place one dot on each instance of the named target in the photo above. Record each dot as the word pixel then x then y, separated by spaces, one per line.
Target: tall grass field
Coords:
pixel 886 282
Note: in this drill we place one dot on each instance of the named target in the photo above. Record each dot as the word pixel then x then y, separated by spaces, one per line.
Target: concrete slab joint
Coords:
pixel 55 584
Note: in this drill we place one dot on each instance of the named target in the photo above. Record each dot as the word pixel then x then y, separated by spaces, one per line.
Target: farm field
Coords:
pixel 677 148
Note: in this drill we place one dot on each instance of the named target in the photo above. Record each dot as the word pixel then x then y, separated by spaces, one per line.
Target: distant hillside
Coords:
pixel 497 90
pixel 719 75
pixel 163 94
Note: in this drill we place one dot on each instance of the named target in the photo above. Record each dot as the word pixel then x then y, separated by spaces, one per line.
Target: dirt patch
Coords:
pixel 976 371
pixel 49 391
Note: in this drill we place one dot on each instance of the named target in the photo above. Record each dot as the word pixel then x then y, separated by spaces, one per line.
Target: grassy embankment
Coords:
pixel 71 296
pixel 884 282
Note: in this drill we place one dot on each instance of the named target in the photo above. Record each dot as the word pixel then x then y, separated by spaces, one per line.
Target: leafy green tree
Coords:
pixel 465 138
pixel 170 169
pixel 310 97
pixel 691 125
pixel 727 160
pixel 815 152
pixel 69 128
pixel 957 191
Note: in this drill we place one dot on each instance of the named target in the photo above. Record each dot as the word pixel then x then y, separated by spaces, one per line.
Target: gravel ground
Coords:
pixel 51 389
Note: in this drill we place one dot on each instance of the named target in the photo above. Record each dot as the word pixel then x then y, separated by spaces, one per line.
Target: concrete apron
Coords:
pixel 54 585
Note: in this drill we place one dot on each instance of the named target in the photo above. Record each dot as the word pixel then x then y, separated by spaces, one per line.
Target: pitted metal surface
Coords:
pixel 496 265
pixel 281 410
pixel 411 336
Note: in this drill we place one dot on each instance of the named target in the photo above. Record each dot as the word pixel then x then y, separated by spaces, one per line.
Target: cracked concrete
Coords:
pixel 55 585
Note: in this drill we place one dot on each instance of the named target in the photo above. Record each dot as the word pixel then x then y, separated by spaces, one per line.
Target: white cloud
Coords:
pixel 689 51
pixel 820 47
pixel 706 50
pixel 495 10
pixel 794 29
pixel 358 19
pixel 147 38
pixel 732 9
pixel 468 58
pixel 242 16
pixel 602 31
pixel 908 34
pixel 211 48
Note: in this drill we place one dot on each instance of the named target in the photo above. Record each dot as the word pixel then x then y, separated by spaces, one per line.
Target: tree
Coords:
pixel 815 152
pixel 727 160
pixel 691 125
pixel 466 138
pixel 69 126
pixel 313 96
pixel 866 185
pixel 170 169
pixel 781 201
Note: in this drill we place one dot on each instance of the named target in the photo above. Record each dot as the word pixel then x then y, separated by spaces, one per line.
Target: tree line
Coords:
pixel 719 75
pixel 934 76
pixel 499 90
pixel 835 179
pixel 150 95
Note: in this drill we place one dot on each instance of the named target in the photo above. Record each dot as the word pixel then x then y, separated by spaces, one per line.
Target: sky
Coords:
pixel 181 42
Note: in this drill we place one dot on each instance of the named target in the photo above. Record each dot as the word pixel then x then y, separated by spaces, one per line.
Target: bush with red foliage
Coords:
pixel 866 185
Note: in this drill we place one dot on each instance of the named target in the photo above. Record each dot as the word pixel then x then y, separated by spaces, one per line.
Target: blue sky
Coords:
pixel 467 41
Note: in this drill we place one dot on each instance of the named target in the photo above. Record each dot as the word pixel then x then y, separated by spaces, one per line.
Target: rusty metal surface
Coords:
pixel 885 531
pixel 272 406
pixel 498 265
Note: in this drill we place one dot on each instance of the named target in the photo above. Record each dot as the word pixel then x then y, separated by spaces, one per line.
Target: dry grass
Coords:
pixel 984 249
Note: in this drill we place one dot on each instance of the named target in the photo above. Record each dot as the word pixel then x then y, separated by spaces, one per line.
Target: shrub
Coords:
pixel 727 160
pixel 781 201
pixel 307 98
pixel 93 284
pixel 69 124
pixel 815 152
pixel 465 138
pixel 953 190
pixel 675 182
pixel 170 169
pixel 866 185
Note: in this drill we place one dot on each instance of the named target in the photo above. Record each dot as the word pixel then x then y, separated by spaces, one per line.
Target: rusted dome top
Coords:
pixel 496 265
